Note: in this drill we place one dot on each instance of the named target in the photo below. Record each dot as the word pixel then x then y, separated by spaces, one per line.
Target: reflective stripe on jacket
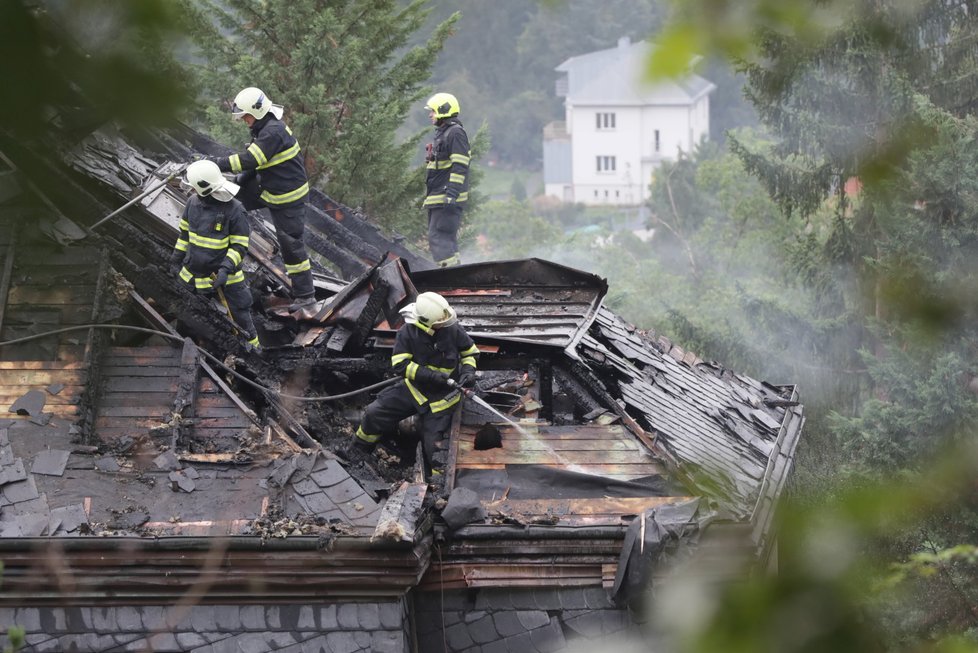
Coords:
pixel 442 350
pixel 275 154
pixel 213 234
pixel 449 167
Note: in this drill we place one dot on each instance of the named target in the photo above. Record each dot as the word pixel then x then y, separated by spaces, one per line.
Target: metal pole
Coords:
pixel 141 196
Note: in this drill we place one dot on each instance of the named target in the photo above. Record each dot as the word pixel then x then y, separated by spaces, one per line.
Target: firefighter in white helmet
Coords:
pixel 273 176
pixel 434 354
pixel 213 240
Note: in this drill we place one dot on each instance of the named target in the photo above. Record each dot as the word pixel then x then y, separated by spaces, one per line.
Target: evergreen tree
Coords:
pixel 344 72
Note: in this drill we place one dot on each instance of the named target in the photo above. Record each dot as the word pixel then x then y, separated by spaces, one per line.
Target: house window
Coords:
pixel 605 163
pixel 657 144
pixel 605 120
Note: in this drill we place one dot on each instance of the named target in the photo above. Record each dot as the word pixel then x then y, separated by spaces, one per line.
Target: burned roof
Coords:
pixel 157 423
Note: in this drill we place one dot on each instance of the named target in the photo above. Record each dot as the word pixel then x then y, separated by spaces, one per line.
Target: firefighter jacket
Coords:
pixel 420 351
pixel 448 168
pixel 274 154
pixel 213 234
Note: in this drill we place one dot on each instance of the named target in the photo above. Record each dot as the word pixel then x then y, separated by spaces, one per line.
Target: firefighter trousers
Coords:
pixel 289 224
pixel 443 225
pixel 395 403
pixel 238 297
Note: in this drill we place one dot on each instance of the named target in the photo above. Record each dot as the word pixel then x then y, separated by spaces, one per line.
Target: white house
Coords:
pixel 618 128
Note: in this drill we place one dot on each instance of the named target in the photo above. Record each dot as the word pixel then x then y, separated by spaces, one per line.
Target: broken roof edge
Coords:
pixel 776 476
pixel 515 272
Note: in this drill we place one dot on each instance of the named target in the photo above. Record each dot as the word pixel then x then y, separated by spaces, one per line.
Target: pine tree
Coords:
pixel 344 72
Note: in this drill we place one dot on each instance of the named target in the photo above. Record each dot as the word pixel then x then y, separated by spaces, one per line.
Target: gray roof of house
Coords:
pixel 617 76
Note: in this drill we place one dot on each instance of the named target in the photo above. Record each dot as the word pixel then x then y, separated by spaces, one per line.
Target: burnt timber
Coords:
pixel 137 473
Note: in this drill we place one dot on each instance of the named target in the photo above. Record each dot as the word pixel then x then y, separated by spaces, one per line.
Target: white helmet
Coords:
pixel 432 310
pixel 255 103
pixel 206 178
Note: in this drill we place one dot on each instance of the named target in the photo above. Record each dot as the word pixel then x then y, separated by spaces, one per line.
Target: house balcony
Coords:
pixel 556 130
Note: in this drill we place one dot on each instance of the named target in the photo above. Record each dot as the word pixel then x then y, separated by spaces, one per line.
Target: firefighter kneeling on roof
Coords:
pixel 433 353
pixel 213 240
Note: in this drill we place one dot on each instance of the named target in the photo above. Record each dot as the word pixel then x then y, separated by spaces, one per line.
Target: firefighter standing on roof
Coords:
pixel 447 178
pixel 213 240
pixel 273 176
pixel 430 349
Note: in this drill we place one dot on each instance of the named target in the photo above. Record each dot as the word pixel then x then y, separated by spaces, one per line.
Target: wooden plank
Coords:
pixel 116 399
pixel 159 368
pixel 65 315
pixel 157 411
pixel 43 377
pixel 219 433
pixel 63 352
pixel 521 445
pixel 580 507
pixel 228 411
pixel 8 264
pixel 205 383
pixel 39 296
pixel 63 274
pixel 550 457
pixel 126 384
pixel 16 391
pixel 62 411
pixel 158 351
pixel 592 431
pixel 60 399
pixel 151 418
pixel 41 365
pixel 609 471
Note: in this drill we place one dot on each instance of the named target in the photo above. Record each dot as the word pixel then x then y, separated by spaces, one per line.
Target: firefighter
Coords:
pixel 273 176
pixel 434 354
pixel 447 181
pixel 213 240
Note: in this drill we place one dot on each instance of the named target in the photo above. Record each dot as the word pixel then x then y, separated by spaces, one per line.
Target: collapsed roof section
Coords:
pixel 613 423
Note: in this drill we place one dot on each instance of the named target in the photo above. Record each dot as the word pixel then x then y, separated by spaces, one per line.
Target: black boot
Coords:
pixel 302 304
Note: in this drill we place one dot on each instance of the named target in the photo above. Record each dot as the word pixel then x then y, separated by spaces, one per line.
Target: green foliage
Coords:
pixel 827 594
pixel 348 80
pixel 509 230
pixel 925 402
pixel 89 61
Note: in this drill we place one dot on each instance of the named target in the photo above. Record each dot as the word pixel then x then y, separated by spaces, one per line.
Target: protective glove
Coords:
pixel 429 152
pixel 431 376
pixel 451 196
pixel 176 261
pixel 221 278
pixel 242 178
pixel 466 378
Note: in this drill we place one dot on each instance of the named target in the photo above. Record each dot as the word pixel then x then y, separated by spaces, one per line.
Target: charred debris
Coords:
pixel 141 409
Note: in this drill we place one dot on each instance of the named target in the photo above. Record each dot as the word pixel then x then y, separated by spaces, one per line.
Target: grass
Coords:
pixel 497 183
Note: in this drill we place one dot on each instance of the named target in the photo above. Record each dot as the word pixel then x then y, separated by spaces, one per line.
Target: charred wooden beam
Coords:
pixel 8 266
pixel 321 358
pixel 587 378
pixel 367 319
pixel 92 361
pixel 545 381
pixel 349 265
pixel 157 320
pixel 583 399
pixel 186 398
pixel 342 237
pixel 398 521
